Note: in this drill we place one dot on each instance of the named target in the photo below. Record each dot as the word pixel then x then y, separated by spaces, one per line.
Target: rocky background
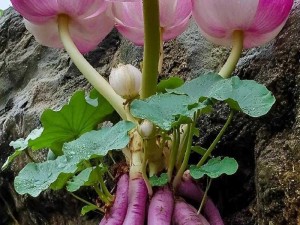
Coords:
pixel 266 189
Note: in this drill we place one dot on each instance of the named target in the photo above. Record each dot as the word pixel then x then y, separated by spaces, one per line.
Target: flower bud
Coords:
pixel 146 129
pixel 126 81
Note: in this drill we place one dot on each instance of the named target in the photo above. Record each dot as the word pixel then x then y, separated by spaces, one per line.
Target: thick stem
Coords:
pixel 215 142
pixel 237 48
pixel 151 47
pixel 135 155
pixel 98 82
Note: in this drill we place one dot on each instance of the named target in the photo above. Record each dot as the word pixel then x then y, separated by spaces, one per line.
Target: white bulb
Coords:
pixel 126 81
pixel 146 129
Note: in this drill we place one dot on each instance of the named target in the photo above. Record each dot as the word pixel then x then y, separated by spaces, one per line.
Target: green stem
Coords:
pixel 185 162
pixel 175 146
pixel 237 48
pixel 101 195
pixel 151 47
pixel 87 163
pixel 183 145
pixel 104 189
pixel 215 142
pixel 144 174
pixel 205 195
pixel 86 202
pixel 98 82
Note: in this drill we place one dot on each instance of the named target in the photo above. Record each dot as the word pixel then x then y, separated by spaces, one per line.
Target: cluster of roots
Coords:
pixel 133 206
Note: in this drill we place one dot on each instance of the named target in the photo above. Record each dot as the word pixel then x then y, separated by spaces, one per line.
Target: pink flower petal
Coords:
pixel 88 24
pixel 36 11
pixel 88 33
pixel 174 15
pixel 123 14
pixel 81 8
pixel 122 0
pixel 259 19
pixel 173 32
pixel 167 10
pixel 252 39
pixel 183 10
pixel 220 37
pixel 46 33
pixel 136 35
pixel 270 15
pixel 219 17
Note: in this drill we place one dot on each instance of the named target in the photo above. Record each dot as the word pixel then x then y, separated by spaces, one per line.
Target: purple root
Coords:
pixel 138 195
pixel 189 189
pixel 117 212
pixel 185 214
pixel 161 207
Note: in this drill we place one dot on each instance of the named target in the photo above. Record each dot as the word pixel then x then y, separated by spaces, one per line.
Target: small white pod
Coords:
pixel 126 81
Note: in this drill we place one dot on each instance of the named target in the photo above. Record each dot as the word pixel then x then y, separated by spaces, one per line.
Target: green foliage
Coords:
pixel 79 116
pixel 1 12
pixel 159 181
pixel 21 145
pixel 36 177
pixel 214 168
pixel 165 110
pixel 170 83
pixel 97 143
pixel 87 177
pixel 243 95
pixel 178 106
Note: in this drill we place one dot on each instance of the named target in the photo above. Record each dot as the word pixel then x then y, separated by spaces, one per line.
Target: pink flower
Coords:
pixel 260 20
pixel 174 18
pixel 88 23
